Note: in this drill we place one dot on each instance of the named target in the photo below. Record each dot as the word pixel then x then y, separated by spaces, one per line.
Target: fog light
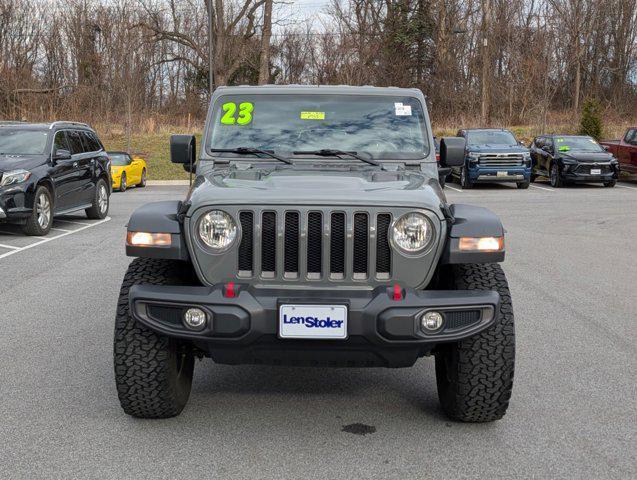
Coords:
pixel 195 318
pixel 431 321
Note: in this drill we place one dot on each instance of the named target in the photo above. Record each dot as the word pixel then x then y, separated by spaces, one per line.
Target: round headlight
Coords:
pixel 412 232
pixel 217 229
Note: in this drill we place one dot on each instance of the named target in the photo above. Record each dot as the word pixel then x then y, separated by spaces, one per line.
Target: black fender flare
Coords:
pixel 471 221
pixel 159 217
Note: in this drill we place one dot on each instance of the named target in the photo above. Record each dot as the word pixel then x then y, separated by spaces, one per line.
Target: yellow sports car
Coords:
pixel 127 171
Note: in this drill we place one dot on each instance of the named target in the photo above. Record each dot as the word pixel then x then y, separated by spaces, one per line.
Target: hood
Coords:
pixel 604 157
pixel 17 162
pixel 296 186
pixel 493 148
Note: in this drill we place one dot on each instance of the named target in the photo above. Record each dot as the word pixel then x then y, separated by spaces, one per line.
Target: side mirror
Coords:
pixel 62 154
pixel 452 151
pixel 546 148
pixel 606 147
pixel 183 149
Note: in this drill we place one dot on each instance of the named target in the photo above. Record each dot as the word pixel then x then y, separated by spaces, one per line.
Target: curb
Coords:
pixel 167 182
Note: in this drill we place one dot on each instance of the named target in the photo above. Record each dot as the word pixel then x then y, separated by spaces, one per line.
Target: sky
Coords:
pixel 292 10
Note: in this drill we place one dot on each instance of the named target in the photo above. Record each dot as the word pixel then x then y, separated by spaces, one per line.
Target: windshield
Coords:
pixel 493 137
pixel 578 144
pixel 22 142
pixel 119 159
pixel 380 127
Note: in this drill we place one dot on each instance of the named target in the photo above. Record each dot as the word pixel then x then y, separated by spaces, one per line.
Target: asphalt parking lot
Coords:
pixel 572 266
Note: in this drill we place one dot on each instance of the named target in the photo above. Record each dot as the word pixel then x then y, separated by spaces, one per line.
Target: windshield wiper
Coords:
pixel 252 151
pixel 330 152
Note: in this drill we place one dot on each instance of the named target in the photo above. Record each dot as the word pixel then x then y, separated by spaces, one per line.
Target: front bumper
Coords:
pixel 381 331
pixel 16 203
pixel 479 174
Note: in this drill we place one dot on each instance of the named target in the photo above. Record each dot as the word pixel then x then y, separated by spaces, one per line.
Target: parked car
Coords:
pixel 573 159
pixel 493 155
pixel 51 169
pixel 305 241
pixel 624 150
pixel 127 171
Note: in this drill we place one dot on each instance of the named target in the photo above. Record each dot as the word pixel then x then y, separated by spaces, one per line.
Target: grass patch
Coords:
pixel 154 148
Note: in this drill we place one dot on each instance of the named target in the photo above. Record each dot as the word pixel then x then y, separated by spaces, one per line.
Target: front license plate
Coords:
pixel 503 174
pixel 596 171
pixel 313 321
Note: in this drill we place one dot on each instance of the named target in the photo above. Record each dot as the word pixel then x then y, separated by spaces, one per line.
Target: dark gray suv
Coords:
pixel 316 233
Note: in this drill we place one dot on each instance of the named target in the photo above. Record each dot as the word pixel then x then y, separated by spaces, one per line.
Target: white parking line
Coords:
pixel 50 239
pixel 625 186
pixel 543 188
pixel 70 221
pixel 61 229
pixel 10 247
pixel 454 189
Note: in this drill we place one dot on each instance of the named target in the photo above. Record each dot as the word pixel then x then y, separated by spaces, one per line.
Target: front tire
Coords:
pixel 523 185
pixel 554 176
pixel 41 218
pixel 465 183
pixel 153 373
pixel 122 183
pixel 610 183
pixel 475 376
pixel 101 202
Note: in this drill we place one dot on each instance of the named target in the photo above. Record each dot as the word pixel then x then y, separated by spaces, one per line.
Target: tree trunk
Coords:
pixel 264 67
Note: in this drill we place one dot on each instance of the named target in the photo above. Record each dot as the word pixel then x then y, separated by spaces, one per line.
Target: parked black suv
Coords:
pixel 51 169
pixel 572 159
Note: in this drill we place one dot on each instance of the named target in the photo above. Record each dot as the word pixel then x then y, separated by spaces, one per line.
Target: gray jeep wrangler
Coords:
pixel 315 232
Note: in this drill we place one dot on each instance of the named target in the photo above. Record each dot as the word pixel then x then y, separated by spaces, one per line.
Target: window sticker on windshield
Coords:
pixel 559 140
pixel 244 117
pixel 312 115
pixel 402 110
pixel 564 148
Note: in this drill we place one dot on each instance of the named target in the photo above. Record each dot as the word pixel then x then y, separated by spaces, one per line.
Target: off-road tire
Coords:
pixel 475 376
pixel 96 211
pixel 32 225
pixel 465 183
pixel 122 183
pixel 523 185
pixel 610 183
pixel 153 373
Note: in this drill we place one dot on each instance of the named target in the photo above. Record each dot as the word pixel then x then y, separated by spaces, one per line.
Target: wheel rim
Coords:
pixel 553 175
pixel 43 210
pixel 102 198
pixel 123 182
pixel 463 177
pixel 144 177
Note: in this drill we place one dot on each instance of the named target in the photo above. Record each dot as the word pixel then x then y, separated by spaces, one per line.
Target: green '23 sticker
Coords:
pixel 233 115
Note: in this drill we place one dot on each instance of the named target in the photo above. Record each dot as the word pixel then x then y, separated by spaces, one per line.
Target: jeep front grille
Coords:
pixel 501 159
pixel 314 244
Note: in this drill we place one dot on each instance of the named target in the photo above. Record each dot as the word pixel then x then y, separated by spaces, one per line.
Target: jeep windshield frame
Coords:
pixel 378 127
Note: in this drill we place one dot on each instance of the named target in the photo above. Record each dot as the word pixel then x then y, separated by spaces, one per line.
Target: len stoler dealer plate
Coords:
pixel 327 322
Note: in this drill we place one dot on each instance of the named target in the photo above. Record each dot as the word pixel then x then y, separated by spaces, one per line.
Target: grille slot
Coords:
pixel 337 245
pixel 383 251
pixel 501 160
pixel 314 244
pixel 268 244
pixel 291 246
pixel 361 233
pixel 246 247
